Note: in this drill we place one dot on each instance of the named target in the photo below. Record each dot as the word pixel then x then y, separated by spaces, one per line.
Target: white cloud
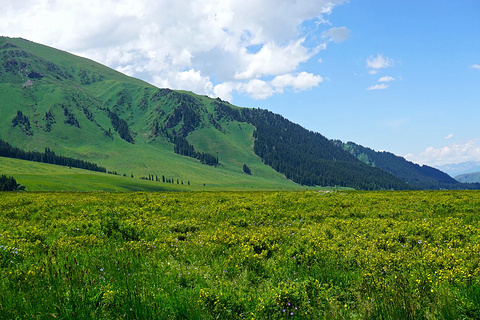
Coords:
pixel 300 82
pixel 260 89
pixel 386 79
pixel 378 62
pixel 274 60
pixel 193 80
pixel 336 34
pixel 168 42
pixel 378 87
pixel 453 153
pixel 476 66
pixel 224 90
pixel 257 89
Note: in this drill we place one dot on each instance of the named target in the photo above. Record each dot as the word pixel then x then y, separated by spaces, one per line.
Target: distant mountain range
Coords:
pixel 84 110
pixel 455 169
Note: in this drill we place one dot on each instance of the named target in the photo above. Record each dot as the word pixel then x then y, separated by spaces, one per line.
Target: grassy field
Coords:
pixel 240 255
pixel 37 176
pixel 46 177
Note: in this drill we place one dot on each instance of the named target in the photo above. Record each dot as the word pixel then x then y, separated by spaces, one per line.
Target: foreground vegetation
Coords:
pixel 263 255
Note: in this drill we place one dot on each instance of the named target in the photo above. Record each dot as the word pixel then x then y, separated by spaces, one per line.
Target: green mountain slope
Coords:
pixel 84 110
pixel 79 108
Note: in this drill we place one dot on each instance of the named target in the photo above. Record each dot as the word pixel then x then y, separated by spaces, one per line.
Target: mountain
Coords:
pixel 423 177
pixel 80 109
pixel 84 110
pixel 455 169
pixel 473 177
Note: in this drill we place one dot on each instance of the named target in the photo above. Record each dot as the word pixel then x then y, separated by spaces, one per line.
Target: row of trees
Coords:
pixel 163 179
pixel 7 150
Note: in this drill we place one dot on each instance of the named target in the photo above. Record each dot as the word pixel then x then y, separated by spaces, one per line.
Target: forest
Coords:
pixel 307 157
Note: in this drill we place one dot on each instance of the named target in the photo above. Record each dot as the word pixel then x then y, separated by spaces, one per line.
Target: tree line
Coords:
pixel 163 179
pixel 7 150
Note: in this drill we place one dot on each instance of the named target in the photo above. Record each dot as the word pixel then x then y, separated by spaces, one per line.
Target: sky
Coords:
pixel 393 75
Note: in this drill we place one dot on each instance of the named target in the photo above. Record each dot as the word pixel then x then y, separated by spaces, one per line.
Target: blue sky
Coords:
pixel 394 75
pixel 430 108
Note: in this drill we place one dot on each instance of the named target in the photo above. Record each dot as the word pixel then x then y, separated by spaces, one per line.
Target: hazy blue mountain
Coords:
pixel 455 169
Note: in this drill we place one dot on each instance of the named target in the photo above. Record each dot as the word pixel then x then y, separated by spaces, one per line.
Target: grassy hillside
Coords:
pixel 66 104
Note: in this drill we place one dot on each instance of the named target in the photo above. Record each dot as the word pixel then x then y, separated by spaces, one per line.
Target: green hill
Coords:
pixel 84 110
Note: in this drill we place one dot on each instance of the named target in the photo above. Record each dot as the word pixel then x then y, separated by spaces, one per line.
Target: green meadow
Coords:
pixel 47 177
pixel 240 255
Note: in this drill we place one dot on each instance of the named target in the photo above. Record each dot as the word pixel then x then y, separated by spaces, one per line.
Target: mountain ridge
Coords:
pixel 82 109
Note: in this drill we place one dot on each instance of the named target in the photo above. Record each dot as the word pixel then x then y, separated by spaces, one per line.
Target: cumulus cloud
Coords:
pixel 453 153
pixel 300 82
pixel 273 60
pixel 374 64
pixel 224 90
pixel 476 66
pixel 191 80
pixel 378 86
pixel 200 45
pixel 257 89
pixel 382 82
pixel 336 34
pixel 260 89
